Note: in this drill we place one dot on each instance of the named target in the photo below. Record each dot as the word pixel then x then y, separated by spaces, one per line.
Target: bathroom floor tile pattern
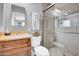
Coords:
pixel 55 52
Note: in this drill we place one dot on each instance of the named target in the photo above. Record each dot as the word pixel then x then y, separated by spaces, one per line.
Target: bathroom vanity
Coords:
pixel 15 45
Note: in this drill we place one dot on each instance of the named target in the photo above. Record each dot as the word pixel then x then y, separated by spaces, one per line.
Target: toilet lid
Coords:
pixel 42 50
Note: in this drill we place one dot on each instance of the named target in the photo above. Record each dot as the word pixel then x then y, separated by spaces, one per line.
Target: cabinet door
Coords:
pixel 28 51
pixel 0 48
pixel 20 47
pixel 14 44
pixel 16 52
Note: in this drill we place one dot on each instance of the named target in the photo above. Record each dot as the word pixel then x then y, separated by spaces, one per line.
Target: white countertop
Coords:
pixel 14 37
pixel 20 36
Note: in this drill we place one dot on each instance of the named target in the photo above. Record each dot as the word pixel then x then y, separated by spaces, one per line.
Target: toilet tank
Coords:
pixel 35 41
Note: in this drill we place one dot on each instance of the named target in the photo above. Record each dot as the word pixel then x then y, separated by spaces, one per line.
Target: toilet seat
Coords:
pixel 41 51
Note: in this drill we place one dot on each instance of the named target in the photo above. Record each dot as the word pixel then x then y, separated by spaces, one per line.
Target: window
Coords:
pixel 65 23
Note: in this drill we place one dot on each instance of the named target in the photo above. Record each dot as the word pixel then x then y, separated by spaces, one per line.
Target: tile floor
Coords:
pixel 54 51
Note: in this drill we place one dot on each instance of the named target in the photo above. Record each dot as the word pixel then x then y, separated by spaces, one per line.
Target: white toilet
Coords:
pixel 39 50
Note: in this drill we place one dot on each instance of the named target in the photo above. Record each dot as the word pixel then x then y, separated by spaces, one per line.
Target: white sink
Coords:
pixel 20 36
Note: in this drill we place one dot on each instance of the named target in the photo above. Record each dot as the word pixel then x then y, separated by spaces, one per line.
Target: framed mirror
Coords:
pixel 18 16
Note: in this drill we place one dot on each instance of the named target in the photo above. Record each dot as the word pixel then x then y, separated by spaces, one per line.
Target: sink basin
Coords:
pixel 20 36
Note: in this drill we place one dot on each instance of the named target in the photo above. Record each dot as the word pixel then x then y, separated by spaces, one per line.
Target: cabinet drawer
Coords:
pixel 1 54
pixel 15 51
pixel 23 53
pixel 15 43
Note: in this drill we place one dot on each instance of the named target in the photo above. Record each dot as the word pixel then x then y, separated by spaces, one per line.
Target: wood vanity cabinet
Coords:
pixel 19 47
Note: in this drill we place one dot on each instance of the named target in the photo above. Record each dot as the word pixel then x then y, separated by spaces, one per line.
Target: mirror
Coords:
pixel 18 16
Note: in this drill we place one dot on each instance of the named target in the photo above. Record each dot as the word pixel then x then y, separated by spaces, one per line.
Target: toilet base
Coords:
pixel 40 51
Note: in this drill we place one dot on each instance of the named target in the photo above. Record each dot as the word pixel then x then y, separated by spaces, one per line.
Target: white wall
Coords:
pixel 1 17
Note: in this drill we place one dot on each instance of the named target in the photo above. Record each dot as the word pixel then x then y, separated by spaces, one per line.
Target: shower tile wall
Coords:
pixel 69 40
pixel 49 34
